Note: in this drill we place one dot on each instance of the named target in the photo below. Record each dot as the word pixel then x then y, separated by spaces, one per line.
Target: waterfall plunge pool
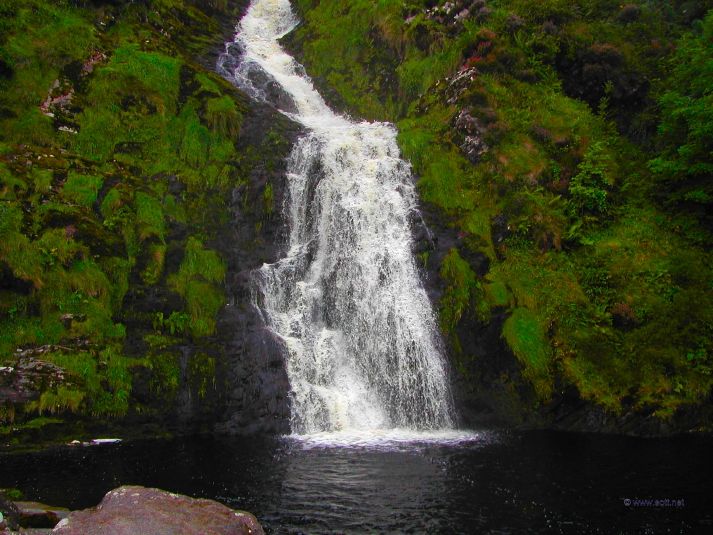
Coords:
pixel 489 482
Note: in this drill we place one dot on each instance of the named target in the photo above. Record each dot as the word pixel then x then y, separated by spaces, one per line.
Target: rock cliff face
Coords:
pixel 131 222
pixel 255 375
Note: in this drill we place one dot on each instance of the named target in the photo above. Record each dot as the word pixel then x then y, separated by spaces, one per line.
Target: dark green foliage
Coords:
pixel 81 189
pixel 142 140
pixel 685 167
pixel 595 176
pixel 526 336
pixel 463 293
pixel 196 281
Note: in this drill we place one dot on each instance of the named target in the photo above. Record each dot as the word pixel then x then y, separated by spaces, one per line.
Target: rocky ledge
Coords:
pixel 133 509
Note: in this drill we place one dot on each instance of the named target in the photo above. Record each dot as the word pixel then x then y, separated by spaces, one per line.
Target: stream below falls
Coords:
pixel 534 482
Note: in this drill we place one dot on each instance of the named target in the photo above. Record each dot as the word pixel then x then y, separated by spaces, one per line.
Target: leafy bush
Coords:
pixel 589 188
pixel 685 166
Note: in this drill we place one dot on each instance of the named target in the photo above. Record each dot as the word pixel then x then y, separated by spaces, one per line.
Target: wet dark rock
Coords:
pixel 459 83
pixel 500 229
pixel 256 393
pixel 514 22
pixel 9 513
pixel 623 316
pixel 472 143
pixel 474 147
pixel 483 14
pixel 261 84
pixel 39 515
pixel 629 13
pixel 550 28
pixel 6 70
pixel 599 71
pixel 489 389
pixel 130 510
pixel 24 379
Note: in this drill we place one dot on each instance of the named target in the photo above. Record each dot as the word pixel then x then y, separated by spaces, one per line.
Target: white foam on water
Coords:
pixel 392 439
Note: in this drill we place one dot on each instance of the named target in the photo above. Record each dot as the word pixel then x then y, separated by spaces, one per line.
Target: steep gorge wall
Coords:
pixel 139 190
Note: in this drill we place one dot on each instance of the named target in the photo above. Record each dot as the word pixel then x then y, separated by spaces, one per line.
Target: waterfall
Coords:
pixel 364 351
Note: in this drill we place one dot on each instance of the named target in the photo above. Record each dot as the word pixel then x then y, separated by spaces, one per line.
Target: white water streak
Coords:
pixel 364 350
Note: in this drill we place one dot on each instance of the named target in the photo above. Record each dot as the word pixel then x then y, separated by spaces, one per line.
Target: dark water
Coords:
pixel 510 483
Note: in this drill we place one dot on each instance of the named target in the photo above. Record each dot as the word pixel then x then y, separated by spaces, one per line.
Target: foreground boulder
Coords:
pixel 130 510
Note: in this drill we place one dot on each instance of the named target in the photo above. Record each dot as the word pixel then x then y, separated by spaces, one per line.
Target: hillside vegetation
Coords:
pixel 568 143
pixel 118 155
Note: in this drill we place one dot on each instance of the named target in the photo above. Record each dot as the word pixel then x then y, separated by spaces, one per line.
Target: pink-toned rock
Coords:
pixel 130 510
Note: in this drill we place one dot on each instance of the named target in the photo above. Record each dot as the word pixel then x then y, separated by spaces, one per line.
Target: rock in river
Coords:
pixel 130 510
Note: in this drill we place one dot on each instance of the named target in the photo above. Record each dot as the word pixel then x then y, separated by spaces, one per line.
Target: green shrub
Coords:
pixel 590 187
pixel 686 131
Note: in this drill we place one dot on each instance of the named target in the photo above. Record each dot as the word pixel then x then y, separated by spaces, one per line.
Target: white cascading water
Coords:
pixel 364 353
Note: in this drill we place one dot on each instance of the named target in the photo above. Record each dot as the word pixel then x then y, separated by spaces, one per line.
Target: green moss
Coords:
pixel 203 301
pixel 526 337
pixel 15 495
pixel 10 185
pixel 223 116
pixel 111 203
pixel 497 294
pixel 57 248
pixel 99 129
pixel 39 38
pixel 154 270
pixel 117 271
pixel 268 198
pixel 114 400
pixel 18 331
pixel 41 180
pixel 201 373
pixel 16 250
pixel 196 140
pixel 149 217
pixel 62 399
pixel 175 323
pixel 342 51
pixel 463 295
pixel 82 189
pixel 207 84
pixel 159 341
pixel 198 280
pixel 208 152
pixel 104 384
pixel 166 374
pixel 157 73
